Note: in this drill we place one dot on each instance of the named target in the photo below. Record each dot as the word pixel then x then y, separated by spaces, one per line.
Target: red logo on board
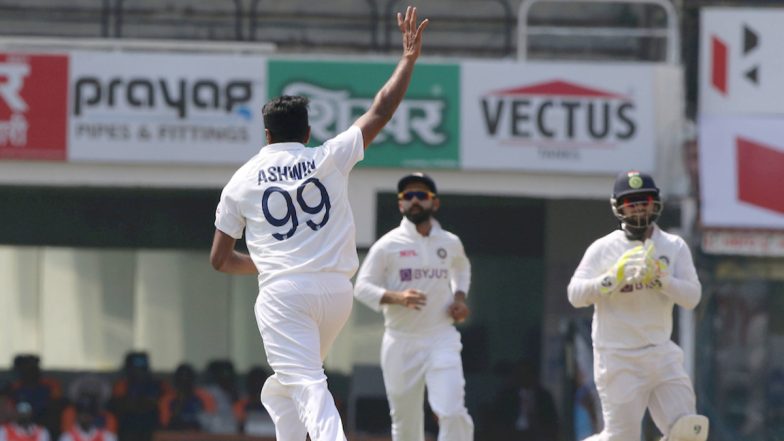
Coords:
pixel 760 177
pixel 560 88
pixel 720 60
pixel 33 106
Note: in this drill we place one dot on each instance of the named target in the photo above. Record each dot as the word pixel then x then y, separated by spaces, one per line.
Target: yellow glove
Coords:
pixel 654 267
pixel 646 268
pixel 627 267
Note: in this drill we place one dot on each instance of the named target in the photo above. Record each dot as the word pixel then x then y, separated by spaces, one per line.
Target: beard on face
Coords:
pixel 634 232
pixel 418 216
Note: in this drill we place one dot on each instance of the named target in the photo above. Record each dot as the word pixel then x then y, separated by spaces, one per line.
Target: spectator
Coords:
pixel 135 399
pixel 101 418
pixel 586 408
pixel 89 383
pixel 523 409
pixel 186 407
pixel 87 425
pixel 250 413
pixel 89 386
pixel 43 394
pixel 6 407
pixel 24 427
pixel 222 386
pixel 586 411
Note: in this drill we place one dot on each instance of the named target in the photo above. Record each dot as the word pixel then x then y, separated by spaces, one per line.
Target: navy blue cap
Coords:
pixel 633 182
pixel 416 177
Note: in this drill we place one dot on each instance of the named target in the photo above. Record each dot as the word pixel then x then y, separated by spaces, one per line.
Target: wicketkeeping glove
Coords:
pixel 654 268
pixel 647 269
pixel 628 267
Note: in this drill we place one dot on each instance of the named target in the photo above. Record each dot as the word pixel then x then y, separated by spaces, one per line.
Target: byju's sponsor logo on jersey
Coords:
pixel 411 274
pixel 33 106
pixel 560 114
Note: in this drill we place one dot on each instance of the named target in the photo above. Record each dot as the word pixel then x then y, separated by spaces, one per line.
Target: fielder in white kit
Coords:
pixel 633 277
pixel 418 275
pixel 292 203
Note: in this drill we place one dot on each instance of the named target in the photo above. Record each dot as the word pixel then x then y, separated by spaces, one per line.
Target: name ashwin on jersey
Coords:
pixel 278 173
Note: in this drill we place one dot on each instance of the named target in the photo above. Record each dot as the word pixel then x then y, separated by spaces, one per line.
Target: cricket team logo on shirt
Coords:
pixel 33 106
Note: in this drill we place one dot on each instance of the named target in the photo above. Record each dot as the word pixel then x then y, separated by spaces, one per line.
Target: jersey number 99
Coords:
pixel 291 212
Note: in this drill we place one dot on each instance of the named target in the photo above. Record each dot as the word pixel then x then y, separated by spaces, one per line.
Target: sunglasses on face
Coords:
pixel 646 198
pixel 421 195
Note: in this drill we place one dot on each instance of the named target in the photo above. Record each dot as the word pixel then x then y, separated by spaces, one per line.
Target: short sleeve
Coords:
pixel 346 149
pixel 227 216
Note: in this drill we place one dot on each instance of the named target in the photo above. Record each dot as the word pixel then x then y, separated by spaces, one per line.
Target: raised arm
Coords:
pixel 391 94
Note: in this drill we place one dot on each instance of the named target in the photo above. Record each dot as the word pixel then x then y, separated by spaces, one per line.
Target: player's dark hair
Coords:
pixel 286 118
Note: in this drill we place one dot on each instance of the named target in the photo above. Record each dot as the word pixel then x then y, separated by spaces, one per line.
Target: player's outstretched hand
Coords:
pixel 459 311
pixel 412 298
pixel 412 34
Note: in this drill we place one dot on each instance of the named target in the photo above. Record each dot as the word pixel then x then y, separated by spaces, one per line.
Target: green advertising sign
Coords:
pixel 424 132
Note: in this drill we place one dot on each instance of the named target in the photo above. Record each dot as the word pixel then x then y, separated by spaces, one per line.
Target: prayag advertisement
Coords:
pixel 423 132
pixel 165 108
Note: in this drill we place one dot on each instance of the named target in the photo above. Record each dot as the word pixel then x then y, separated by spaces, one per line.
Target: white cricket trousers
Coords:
pixel 299 318
pixel 409 362
pixel 629 381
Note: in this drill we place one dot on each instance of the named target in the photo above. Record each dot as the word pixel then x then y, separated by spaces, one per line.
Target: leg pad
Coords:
pixel 689 428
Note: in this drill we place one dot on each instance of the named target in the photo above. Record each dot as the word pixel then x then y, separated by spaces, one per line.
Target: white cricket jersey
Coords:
pixel 435 264
pixel 641 315
pixel 292 202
